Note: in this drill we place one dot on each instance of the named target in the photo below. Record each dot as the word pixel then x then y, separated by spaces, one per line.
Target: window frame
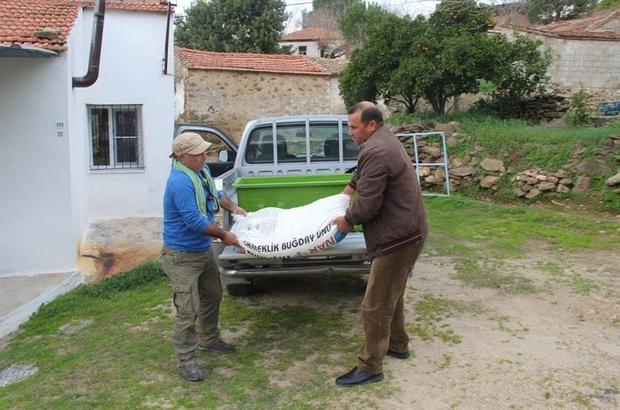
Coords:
pixel 113 135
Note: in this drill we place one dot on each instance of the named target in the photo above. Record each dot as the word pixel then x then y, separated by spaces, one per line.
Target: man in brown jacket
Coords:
pixel 389 206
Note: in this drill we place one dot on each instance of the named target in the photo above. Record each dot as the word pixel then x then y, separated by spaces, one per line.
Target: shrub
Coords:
pixel 579 112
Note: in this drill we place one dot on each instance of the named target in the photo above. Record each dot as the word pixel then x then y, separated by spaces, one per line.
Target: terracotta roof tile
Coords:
pixel 599 26
pixel 586 27
pixel 21 20
pixel 266 63
pixel 312 34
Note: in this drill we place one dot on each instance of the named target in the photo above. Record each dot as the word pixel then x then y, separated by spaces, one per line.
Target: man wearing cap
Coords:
pixel 190 203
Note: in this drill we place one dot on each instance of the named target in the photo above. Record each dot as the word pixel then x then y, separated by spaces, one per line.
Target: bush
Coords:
pixel 578 114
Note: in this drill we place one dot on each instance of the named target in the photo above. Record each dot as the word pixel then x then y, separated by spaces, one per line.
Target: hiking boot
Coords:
pixel 218 346
pixel 192 372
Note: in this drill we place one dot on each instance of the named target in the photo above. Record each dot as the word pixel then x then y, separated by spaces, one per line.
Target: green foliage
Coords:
pixel 373 71
pixel 486 86
pixel 546 11
pixel 523 72
pixel 445 56
pixel 253 26
pixel 139 278
pixel 579 112
pixel 357 19
pixel 608 4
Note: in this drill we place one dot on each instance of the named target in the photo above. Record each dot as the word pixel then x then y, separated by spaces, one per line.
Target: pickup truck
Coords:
pixel 283 147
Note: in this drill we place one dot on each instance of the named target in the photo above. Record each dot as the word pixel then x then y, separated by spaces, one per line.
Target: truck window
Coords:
pixel 290 147
pixel 322 141
pixel 327 142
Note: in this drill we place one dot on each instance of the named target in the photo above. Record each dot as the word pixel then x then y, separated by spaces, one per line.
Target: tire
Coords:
pixel 239 289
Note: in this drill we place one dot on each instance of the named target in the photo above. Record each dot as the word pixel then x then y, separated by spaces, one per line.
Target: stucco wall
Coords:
pixel 229 99
pixel 131 73
pixel 49 195
pixel 312 47
pixel 35 210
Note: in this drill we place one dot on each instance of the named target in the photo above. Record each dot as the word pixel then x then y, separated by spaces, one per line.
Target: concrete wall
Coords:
pixel 229 99
pixel 588 64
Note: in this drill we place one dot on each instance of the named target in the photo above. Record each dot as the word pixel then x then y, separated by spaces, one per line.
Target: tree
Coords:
pixel 355 21
pixel 253 26
pixel 373 71
pixel 325 13
pixel 523 72
pixel 439 58
pixel 546 11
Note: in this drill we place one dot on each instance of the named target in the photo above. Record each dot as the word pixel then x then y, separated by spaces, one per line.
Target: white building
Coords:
pixel 72 155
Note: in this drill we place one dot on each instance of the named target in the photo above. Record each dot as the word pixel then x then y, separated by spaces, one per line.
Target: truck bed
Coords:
pixel 347 256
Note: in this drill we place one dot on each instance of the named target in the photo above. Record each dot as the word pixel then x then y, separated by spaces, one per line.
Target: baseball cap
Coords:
pixel 189 143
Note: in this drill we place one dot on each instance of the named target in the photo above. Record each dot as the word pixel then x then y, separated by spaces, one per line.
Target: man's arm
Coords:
pixel 232 207
pixel 228 238
pixel 348 190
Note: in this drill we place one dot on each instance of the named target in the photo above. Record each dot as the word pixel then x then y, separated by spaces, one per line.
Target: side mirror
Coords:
pixel 225 155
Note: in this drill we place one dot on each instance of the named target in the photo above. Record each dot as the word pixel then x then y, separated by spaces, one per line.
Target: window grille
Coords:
pixel 116 136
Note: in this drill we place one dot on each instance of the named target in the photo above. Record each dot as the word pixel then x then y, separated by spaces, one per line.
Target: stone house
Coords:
pixel 229 89
pixel 586 51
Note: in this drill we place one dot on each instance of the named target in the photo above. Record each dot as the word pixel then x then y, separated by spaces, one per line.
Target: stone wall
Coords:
pixel 229 99
pixel 468 170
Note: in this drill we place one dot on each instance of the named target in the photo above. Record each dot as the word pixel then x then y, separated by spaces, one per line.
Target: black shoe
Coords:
pixel 356 377
pixel 218 346
pixel 401 356
pixel 192 372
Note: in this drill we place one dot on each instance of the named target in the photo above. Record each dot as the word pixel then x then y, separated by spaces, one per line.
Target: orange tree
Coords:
pixel 437 58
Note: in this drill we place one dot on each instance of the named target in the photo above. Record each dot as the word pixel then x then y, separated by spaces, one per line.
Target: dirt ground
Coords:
pixel 555 348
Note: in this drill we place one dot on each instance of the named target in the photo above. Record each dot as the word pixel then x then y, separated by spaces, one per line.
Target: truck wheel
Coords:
pixel 239 289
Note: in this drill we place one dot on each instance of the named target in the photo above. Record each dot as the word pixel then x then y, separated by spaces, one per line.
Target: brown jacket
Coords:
pixel 389 201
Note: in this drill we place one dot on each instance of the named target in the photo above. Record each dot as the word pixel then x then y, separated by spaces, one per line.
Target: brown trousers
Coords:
pixel 196 294
pixel 383 312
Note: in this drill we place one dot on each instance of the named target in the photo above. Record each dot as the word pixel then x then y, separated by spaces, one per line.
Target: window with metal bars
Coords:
pixel 116 136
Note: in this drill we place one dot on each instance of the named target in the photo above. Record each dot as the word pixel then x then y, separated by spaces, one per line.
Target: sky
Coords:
pixel 296 7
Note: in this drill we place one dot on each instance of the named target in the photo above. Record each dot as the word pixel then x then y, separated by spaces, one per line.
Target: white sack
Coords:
pixel 279 233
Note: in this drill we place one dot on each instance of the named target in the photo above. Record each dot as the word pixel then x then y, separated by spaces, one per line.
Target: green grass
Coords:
pixel 107 345
pixel 521 146
pixel 502 229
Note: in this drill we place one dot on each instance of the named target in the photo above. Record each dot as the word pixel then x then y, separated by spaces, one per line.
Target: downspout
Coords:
pixel 95 49
pixel 165 62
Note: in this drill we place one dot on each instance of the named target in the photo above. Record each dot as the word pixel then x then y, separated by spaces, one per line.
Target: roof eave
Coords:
pixel 22 50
